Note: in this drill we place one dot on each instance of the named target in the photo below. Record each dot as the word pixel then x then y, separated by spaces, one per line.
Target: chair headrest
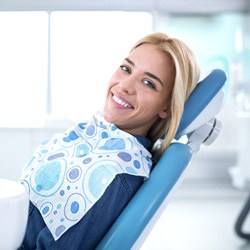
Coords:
pixel 207 92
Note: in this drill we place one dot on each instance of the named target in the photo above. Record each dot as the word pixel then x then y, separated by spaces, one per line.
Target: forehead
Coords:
pixel 149 51
pixel 148 57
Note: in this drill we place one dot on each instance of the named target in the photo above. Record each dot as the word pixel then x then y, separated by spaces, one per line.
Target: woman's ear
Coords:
pixel 164 113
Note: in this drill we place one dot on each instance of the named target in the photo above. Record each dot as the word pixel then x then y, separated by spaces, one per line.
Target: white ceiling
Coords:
pixel 170 6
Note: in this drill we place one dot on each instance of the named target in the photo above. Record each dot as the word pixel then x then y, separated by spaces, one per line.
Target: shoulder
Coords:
pixel 129 183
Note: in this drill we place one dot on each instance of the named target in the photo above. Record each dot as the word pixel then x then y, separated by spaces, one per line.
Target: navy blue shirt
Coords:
pixel 89 231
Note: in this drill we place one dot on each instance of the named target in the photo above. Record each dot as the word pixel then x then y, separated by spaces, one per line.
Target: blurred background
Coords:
pixel 56 59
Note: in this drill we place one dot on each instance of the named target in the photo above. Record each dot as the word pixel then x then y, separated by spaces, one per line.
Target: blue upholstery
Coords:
pixel 136 219
pixel 138 213
pixel 203 94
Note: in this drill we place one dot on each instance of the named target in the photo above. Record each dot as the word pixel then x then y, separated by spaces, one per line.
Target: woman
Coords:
pixel 110 154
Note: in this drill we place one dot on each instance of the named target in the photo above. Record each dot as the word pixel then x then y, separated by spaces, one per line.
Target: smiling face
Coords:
pixel 139 90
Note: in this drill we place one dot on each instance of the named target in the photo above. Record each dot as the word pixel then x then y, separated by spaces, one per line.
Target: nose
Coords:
pixel 128 85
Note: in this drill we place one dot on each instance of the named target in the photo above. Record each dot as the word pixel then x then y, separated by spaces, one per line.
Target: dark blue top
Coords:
pixel 89 231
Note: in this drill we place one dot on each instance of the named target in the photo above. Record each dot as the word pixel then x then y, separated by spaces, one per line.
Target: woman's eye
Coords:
pixel 149 84
pixel 125 68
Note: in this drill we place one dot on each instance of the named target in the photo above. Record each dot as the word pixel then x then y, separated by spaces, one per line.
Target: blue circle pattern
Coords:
pixel 69 173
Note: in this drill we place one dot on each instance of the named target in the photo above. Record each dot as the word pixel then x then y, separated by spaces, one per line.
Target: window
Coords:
pixel 86 48
pixel 23 67
pixel 58 64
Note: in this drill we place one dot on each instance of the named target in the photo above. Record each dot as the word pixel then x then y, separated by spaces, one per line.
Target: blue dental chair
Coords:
pixel 200 127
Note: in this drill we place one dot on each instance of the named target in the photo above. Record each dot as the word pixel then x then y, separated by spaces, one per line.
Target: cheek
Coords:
pixel 152 101
pixel 112 82
pixel 109 86
pixel 158 106
pixel 116 75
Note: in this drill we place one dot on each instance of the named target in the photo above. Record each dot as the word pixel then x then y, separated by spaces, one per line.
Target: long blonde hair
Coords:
pixel 186 71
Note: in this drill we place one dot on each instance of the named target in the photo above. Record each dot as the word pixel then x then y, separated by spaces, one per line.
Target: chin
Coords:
pixel 108 117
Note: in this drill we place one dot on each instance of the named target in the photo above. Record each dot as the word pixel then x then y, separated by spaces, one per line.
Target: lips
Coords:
pixel 121 102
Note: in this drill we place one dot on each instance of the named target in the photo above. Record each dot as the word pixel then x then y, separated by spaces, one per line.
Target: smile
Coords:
pixel 121 102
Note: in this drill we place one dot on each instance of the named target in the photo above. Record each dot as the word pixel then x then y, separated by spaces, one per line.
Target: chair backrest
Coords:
pixel 136 221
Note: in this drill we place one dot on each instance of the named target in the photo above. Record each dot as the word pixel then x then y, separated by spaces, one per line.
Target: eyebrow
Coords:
pixel 146 73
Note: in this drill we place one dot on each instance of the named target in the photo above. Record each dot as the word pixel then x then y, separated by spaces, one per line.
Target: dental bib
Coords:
pixel 70 172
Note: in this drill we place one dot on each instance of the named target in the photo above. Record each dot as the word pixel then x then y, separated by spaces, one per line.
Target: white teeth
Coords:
pixel 119 101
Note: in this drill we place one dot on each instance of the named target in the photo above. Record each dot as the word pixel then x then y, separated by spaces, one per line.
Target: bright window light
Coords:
pixel 56 67
pixel 86 48
pixel 23 67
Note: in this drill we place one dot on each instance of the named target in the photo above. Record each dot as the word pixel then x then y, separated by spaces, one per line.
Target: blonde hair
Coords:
pixel 186 75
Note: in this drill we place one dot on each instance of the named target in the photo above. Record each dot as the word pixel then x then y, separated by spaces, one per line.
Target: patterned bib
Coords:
pixel 70 172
